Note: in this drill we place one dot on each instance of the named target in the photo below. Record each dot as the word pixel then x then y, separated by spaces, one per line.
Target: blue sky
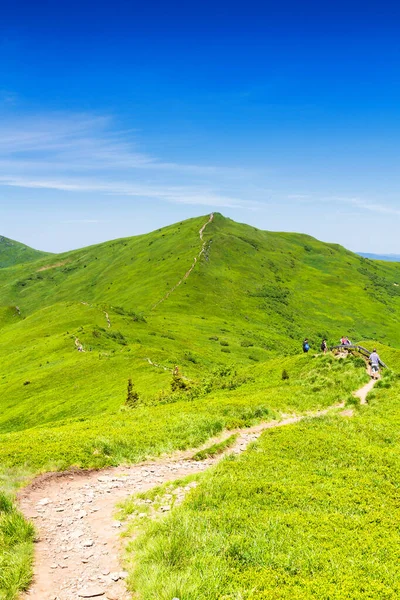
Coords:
pixel 118 118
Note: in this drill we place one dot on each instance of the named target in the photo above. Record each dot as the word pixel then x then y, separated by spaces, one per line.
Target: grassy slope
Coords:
pixel 14 253
pixel 16 537
pixel 311 511
pixel 252 296
pixel 223 401
pixel 258 293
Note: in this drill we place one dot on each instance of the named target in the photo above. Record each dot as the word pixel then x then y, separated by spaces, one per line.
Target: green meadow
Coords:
pixel 232 327
pixel 310 511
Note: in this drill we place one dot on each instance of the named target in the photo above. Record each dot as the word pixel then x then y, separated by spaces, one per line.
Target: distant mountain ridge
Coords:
pixel 385 257
pixel 276 287
pixel 14 253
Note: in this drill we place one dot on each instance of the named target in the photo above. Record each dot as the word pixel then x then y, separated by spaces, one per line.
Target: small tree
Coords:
pixel 285 374
pixel 132 397
pixel 177 382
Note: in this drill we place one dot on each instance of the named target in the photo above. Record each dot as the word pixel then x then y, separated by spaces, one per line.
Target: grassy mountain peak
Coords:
pixel 14 253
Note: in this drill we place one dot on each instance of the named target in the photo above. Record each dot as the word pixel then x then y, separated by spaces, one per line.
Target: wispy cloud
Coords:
pixel 86 153
pixel 364 204
pixel 176 194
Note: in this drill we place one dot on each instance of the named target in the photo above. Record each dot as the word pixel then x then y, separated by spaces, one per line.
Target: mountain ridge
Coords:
pixel 14 253
pixel 384 257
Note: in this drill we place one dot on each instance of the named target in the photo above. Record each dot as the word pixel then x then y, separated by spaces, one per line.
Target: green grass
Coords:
pixel 16 537
pixel 215 449
pixel 159 495
pixel 232 327
pixel 310 511
pixel 225 401
pixel 13 253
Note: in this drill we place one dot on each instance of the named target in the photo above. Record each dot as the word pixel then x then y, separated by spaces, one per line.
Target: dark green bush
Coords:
pixel 132 397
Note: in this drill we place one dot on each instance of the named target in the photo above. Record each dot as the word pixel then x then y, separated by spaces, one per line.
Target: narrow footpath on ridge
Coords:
pixel 78 547
pixel 195 260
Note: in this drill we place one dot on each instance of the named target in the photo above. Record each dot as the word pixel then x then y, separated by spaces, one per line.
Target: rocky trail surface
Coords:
pixel 78 545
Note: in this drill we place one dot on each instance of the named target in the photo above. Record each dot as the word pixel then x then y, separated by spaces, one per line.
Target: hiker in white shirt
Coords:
pixel 374 361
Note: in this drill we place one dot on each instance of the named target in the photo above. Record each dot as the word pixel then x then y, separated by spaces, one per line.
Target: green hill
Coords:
pixel 14 253
pixel 228 303
pixel 252 295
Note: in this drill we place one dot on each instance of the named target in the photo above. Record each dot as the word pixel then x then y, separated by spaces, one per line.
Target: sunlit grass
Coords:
pixel 310 511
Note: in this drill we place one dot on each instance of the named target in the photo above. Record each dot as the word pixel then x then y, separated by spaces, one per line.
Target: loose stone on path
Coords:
pixel 79 542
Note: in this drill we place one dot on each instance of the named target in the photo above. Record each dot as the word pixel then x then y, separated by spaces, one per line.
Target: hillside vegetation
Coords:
pixel 311 511
pixel 252 295
pixel 14 253
pixel 230 307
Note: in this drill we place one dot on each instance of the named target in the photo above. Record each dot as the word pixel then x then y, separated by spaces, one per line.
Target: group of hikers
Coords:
pixel 374 360
pixel 324 346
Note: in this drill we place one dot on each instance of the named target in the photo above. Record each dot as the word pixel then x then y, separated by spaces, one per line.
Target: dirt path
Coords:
pixel 153 364
pixel 77 553
pixel 196 258
pixel 78 546
pixel 78 345
pixel 364 391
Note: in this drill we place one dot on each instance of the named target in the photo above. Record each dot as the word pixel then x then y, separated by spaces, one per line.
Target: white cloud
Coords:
pixel 79 143
pixel 363 204
pixel 85 153
pixel 174 194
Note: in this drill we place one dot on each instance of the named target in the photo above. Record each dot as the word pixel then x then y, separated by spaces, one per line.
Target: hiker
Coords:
pixel 324 346
pixel 343 341
pixel 374 361
pixel 306 345
pixel 348 342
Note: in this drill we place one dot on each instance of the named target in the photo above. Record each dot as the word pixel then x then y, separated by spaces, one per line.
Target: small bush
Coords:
pixel 225 350
pixel 358 361
pixel 191 358
pixel 177 382
pixel 224 343
pixel 246 343
pixel 382 383
pixel 285 374
pixel 132 397
pixel 353 401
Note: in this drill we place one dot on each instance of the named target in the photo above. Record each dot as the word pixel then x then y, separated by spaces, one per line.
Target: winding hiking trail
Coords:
pixel 361 394
pixel 77 553
pixel 196 258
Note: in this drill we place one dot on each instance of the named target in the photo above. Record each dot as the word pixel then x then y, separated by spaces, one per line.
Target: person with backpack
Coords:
pixel 374 361
pixel 306 345
pixel 324 346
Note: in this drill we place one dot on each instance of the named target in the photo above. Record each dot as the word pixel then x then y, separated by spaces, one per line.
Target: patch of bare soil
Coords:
pixel 54 266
